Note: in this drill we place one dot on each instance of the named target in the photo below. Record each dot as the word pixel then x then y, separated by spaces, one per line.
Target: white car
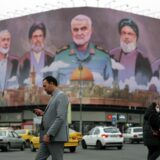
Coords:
pixel 133 134
pixel 102 137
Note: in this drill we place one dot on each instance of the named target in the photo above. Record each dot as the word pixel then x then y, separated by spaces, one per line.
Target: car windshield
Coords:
pixel 137 130
pixel 3 133
pixel 71 130
pixel 20 131
pixel 111 130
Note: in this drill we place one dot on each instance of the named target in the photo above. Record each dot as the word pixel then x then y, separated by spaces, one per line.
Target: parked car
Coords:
pixel 71 144
pixel 76 134
pixel 25 134
pixel 10 139
pixel 102 137
pixel 133 134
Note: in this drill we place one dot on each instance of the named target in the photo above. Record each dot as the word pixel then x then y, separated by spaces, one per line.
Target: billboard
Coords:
pixel 99 56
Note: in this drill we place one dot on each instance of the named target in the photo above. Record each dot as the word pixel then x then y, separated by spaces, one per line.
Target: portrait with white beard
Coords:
pixel 38 57
pixel 82 53
pixel 4 50
pixel 137 67
pixel 128 47
pixel 8 63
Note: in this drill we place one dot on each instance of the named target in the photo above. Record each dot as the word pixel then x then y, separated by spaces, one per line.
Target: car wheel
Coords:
pixel 84 145
pixel 3 149
pixel 119 147
pixel 7 147
pixel 72 149
pixel 32 148
pixel 130 141
pixel 27 143
pixel 22 147
pixel 99 145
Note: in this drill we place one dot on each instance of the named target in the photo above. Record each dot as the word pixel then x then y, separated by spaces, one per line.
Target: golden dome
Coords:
pixel 85 74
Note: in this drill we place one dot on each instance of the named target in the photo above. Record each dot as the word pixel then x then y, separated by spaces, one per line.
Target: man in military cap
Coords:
pixel 38 57
pixel 135 62
pixel 82 53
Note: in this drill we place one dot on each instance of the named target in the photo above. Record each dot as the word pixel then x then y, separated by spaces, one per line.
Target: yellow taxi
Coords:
pixel 76 134
pixel 25 134
pixel 71 144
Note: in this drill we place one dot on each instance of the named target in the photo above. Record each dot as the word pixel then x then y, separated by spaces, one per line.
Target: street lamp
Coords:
pixel 80 95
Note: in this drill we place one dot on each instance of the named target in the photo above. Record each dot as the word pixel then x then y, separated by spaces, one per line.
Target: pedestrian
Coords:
pixel 151 127
pixel 54 127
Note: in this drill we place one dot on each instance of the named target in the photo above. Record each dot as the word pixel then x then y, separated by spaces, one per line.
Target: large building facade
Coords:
pixel 86 107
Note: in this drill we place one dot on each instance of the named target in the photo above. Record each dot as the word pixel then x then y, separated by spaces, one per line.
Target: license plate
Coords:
pixel 113 135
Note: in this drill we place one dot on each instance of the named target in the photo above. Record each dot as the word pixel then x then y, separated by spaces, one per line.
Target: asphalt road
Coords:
pixel 128 152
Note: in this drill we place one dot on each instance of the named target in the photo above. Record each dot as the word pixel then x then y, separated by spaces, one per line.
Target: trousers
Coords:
pixel 153 152
pixel 53 149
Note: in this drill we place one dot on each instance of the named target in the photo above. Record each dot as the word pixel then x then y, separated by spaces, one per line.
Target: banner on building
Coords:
pixel 99 56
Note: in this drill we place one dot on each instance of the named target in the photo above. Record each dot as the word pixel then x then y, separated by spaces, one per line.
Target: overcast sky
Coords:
pixel 16 8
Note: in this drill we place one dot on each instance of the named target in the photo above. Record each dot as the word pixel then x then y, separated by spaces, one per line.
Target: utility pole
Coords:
pixel 80 96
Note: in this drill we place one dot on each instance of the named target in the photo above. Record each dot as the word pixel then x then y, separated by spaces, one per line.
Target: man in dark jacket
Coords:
pixel 135 62
pixel 37 58
pixel 151 127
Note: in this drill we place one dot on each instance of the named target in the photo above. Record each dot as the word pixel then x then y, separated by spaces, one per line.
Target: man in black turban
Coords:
pixel 136 65
pixel 38 57
pixel 130 23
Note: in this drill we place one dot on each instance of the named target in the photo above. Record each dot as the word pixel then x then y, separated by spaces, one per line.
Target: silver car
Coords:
pixel 10 139
pixel 133 134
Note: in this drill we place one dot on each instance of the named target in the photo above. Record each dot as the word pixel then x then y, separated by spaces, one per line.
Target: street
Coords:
pixel 129 152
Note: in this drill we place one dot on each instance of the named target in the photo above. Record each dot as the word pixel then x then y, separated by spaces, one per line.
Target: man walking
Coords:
pixel 54 128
